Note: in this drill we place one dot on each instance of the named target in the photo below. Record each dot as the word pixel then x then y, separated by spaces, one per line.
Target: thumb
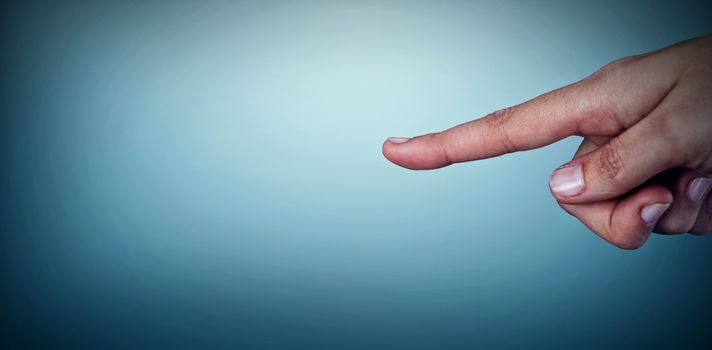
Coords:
pixel 618 166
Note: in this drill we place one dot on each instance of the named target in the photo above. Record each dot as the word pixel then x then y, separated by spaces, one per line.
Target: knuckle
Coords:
pixel 499 122
pixel 615 67
pixel 622 239
pixel 615 237
pixel 679 148
pixel 609 163
pixel 626 241
pixel 602 112
pixel 606 109
pixel 444 147
pixel 604 228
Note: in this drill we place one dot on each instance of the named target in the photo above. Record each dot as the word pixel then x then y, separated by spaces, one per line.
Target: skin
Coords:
pixel 646 121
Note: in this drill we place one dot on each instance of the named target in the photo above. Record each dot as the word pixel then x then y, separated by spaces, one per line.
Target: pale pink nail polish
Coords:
pixel 567 180
pixel 398 139
pixel 651 213
pixel 698 188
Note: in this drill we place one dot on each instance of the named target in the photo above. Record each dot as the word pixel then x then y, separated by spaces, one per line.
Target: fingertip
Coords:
pixel 397 140
pixel 388 149
pixel 418 153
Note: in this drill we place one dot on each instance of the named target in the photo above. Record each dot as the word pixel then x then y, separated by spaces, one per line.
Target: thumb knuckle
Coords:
pixel 608 166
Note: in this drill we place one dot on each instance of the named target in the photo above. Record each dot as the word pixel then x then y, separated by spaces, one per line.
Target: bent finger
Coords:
pixel 625 223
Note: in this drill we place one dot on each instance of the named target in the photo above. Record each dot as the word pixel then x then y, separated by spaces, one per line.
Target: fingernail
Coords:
pixel 697 189
pixel 398 139
pixel 567 180
pixel 652 212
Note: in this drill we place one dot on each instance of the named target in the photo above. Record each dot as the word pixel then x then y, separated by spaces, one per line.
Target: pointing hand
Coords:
pixel 645 163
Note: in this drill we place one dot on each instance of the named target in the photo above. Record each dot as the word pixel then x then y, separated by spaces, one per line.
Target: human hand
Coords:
pixel 645 163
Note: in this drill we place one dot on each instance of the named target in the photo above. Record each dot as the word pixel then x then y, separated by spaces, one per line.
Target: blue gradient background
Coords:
pixel 202 174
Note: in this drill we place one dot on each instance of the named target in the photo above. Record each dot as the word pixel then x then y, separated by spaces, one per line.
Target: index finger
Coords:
pixel 533 124
pixel 604 104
